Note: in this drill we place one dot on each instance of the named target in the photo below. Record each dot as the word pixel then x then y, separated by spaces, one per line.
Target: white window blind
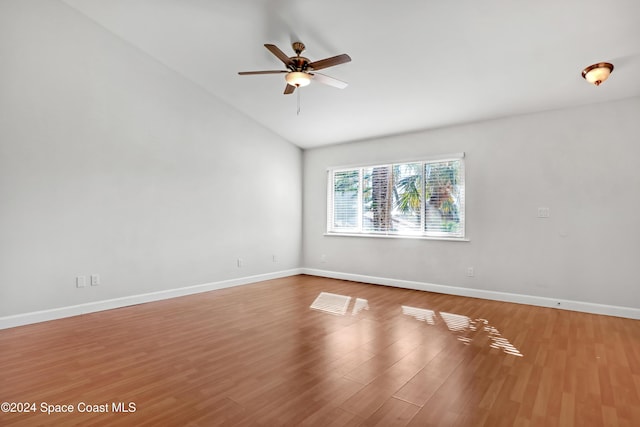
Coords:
pixel 418 198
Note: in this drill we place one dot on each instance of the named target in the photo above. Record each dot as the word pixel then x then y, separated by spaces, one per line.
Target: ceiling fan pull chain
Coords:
pixel 298 112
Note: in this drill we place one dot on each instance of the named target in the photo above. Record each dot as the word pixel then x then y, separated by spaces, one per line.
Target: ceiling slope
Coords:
pixel 415 64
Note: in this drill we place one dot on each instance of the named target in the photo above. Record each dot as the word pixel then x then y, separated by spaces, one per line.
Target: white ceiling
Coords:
pixel 415 64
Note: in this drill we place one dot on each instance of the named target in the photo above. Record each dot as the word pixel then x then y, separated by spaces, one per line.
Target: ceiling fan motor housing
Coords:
pixel 299 63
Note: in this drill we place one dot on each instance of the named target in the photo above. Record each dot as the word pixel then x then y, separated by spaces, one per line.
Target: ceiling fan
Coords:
pixel 300 70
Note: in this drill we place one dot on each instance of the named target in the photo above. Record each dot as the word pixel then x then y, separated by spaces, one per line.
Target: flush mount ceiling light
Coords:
pixel 297 78
pixel 597 73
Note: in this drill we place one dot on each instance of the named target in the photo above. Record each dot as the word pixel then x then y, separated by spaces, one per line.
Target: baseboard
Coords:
pixel 91 307
pixel 586 307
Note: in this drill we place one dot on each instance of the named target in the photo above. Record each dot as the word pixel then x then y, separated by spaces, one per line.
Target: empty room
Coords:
pixel 297 213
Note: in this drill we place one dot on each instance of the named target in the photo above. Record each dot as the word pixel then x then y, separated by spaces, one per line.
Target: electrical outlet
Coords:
pixel 470 272
pixel 95 279
pixel 240 262
pixel 81 282
pixel 275 258
pixel 323 258
pixel 543 212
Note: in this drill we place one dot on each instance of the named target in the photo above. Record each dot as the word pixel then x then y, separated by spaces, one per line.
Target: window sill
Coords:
pixel 395 236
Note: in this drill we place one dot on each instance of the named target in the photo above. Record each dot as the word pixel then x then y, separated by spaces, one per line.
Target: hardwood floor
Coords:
pixel 259 355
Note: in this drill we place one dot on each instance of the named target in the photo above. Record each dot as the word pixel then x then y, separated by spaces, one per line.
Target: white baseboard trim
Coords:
pixel 92 307
pixel 586 307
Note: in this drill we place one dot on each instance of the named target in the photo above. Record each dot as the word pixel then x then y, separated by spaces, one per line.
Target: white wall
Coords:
pixel 111 163
pixel 582 163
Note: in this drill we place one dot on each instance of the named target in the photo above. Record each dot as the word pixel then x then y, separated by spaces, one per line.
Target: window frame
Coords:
pixel 358 230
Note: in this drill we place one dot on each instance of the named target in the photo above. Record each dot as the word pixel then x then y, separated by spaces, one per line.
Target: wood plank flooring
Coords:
pixel 259 355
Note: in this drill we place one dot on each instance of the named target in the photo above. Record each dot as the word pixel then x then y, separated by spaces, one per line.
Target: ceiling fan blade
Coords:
pixel 278 53
pixel 249 73
pixel 330 62
pixel 330 81
pixel 289 89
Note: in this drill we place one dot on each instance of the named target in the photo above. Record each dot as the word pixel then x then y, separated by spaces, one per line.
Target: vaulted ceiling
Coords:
pixel 415 64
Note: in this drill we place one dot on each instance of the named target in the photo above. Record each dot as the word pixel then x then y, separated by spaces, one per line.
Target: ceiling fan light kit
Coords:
pixel 597 73
pixel 297 78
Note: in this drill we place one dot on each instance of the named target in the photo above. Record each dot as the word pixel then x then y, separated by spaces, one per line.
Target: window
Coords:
pixel 421 198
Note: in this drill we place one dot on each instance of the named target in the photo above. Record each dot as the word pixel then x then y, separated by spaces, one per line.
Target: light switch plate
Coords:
pixel 81 282
pixel 543 212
